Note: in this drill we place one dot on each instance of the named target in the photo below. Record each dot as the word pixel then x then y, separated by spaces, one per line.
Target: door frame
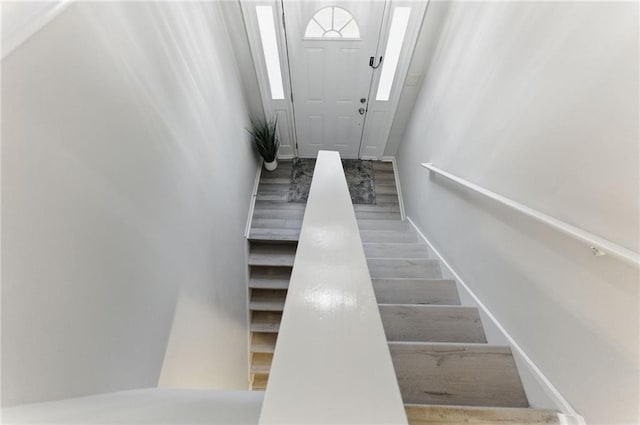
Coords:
pixel 375 133
pixel 282 108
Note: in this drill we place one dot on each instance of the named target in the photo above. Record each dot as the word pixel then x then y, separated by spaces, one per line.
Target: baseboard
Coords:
pixel 247 297
pixel 550 391
pixel 247 230
pixel 286 157
pixel 392 160
pixel 252 201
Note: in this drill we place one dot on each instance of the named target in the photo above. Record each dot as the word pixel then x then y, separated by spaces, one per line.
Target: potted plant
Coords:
pixel 265 138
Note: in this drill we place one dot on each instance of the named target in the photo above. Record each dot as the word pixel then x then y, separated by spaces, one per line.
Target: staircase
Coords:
pixel 270 266
pixel 446 370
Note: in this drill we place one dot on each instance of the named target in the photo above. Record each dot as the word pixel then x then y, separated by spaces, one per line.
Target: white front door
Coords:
pixel 330 45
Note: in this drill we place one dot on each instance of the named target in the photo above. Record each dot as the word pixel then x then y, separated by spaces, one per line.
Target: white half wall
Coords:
pixel 126 180
pixel 538 102
pixel 151 406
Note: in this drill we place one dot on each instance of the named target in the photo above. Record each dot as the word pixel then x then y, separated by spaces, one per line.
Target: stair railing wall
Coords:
pixel 331 362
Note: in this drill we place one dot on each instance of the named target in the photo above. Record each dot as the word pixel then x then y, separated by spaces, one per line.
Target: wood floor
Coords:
pixel 447 373
pixel 276 219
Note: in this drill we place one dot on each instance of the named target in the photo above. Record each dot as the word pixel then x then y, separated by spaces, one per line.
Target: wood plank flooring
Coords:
pixel 276 219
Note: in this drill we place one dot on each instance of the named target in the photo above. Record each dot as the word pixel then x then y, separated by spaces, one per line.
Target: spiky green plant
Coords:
pixel 265 138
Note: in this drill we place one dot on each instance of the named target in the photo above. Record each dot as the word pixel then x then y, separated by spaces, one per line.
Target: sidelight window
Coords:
pixel 399 24
pixel 267 29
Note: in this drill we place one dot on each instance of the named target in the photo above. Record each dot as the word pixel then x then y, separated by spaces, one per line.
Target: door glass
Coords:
pixel 270 49
pixel 399 24
pixel 332 22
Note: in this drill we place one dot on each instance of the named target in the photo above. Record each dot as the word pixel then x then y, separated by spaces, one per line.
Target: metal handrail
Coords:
pixel 599 245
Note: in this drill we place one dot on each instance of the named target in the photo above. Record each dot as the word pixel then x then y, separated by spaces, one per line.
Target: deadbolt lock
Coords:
pixel 363 100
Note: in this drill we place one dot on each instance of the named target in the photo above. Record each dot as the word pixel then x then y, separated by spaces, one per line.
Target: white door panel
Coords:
pixel 381 113
pixel 330 75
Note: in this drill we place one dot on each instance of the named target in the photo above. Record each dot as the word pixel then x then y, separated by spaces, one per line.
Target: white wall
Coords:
pixel 235 24
pixel 538 102
pixel 151 406
pixel 126 179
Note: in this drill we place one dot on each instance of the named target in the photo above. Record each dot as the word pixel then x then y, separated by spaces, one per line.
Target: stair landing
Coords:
pixel 275 219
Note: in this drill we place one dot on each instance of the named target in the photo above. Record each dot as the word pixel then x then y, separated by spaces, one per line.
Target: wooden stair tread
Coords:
pixel 271 197
pixel 266 254
pixel 366 224
pixel 268 213
pixel 269 234
pixel 273 186
pixel 276 223
pixel 376 208
pixel 384 176
pixel 420 414
pixel 403 236
pixel 261 362
pixel 263 342
pixel 279 205
pixel 265 277
pixel 416 291
pixel 395 250
pixel 265 321
pixel 259 382
pixel 457 374
pixel 432 323
pixel 386 189
pixel 377 215
pixel 404 268
pixel 278 179
pixel 386 199
pixel 267 299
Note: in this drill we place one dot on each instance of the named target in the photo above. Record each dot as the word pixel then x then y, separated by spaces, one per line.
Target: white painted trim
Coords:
pixel 247 300
pixel 247 231
pixel 252 201
pixel 392 160
pixel 12 41
pixel 269 105
pixel 285 157
pixel 562 404
pixel 390 106
pixel 599 245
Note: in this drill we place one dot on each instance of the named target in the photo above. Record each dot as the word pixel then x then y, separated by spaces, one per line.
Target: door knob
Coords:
pixel 361 110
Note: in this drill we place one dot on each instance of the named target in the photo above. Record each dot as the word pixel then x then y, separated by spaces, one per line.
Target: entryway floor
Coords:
pixel 276 218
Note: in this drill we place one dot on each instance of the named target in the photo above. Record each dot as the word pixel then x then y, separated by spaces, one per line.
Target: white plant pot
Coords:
pixel 270 166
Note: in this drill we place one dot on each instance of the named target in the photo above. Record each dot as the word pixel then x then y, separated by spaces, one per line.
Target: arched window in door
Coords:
pixel 332 22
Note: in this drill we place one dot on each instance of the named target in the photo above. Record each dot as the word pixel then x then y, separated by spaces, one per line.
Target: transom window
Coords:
pixel 332 22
